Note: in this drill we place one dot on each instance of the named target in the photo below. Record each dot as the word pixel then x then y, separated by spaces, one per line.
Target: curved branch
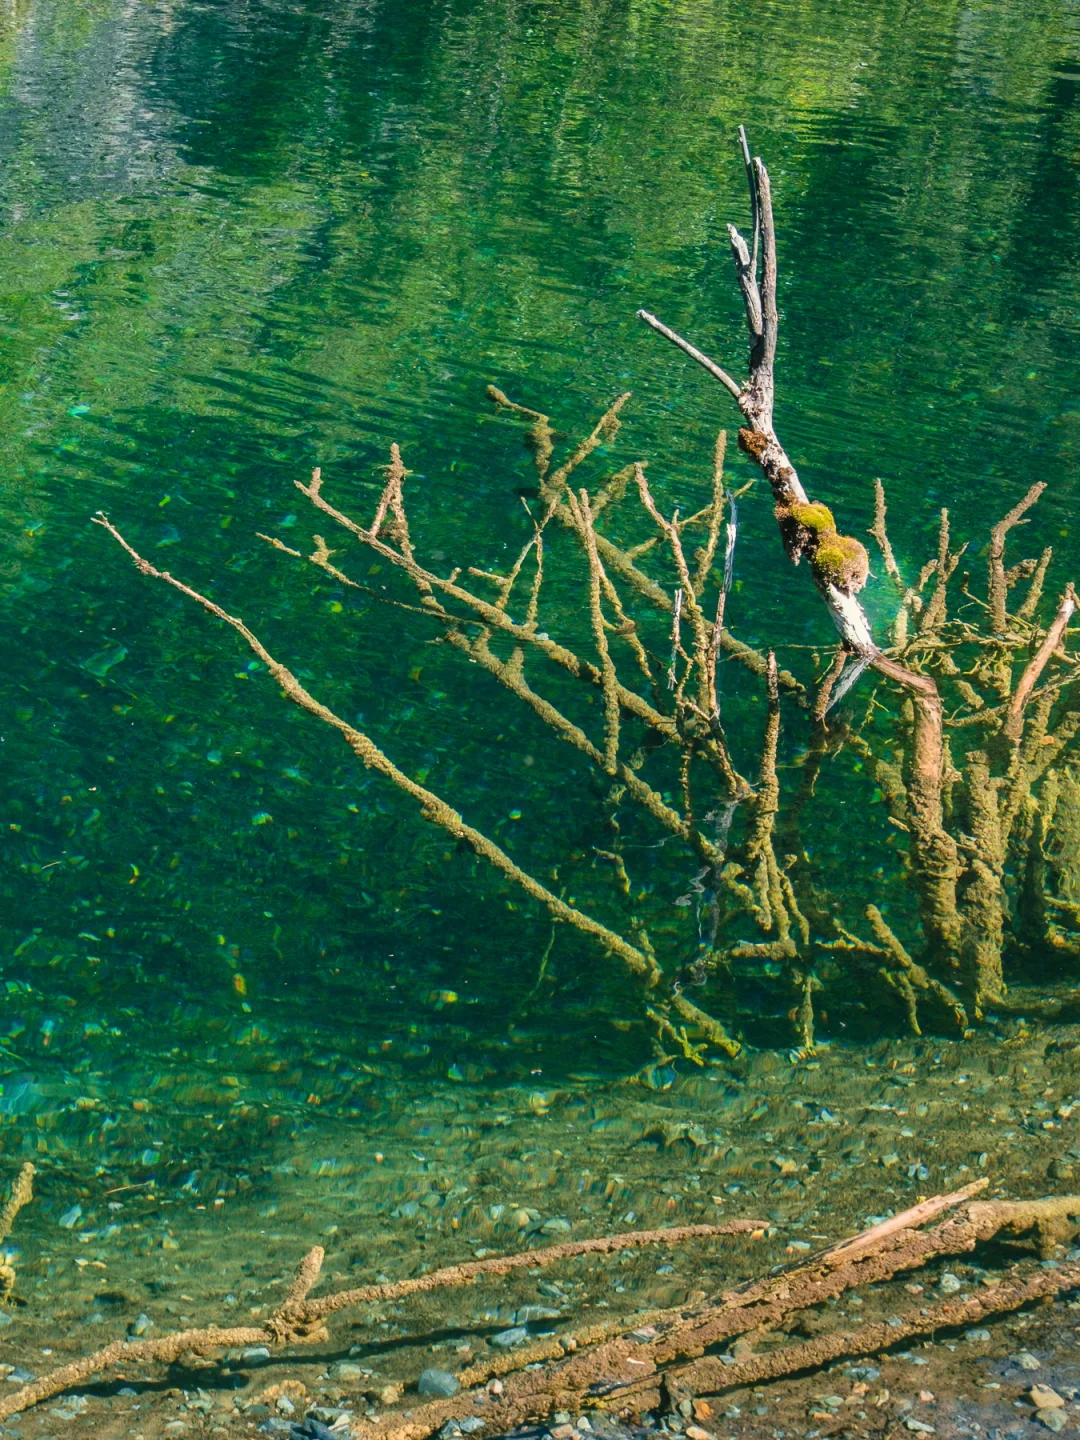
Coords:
pixel 434 808
pixel 1014 723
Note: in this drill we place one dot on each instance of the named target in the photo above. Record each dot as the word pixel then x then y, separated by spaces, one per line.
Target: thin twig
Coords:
pixel 692 350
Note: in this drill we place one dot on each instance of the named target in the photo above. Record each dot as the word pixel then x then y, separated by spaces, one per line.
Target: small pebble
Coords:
pixel 347 1373
pixel 140 1325
pixel 558 1226
pixel 1043 1398
pixel 949 1284
pixel 918 1426
pixel 1054 1419
pixel 1026 1360
pixel 506 1339
pixel 438 1382
pixel 311 1429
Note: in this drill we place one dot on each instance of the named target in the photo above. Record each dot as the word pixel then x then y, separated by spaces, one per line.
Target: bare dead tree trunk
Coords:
pixel 838 563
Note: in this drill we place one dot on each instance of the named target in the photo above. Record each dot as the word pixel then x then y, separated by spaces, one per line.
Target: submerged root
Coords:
pixel 22 1192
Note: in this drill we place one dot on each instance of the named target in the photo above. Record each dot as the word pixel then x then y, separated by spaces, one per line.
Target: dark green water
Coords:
pixel 237 241
pixel 239 977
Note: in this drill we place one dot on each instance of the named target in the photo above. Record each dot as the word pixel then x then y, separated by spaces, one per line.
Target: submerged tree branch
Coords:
pixel 433 807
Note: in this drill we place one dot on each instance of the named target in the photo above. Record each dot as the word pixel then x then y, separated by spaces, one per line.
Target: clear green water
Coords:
pixel 238 241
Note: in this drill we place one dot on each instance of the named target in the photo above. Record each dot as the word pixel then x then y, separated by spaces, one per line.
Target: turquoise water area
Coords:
pixel 239 241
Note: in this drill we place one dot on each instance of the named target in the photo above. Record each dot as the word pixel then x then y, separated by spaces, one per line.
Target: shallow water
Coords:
pixel 237 241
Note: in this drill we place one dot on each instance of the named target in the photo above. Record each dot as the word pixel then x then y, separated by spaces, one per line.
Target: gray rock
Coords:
pixel 977 1336
pixel 311 1429
pixel 1025 1360
pixel 949 1284
pixel 348 1373
pixel 530 1313
pixel 70 1218
pixel 255 1355
pixel 19 1376
pixel 140 1325
pixel 470 1425
pixel 506 1339
pixel 1054 1419
pixel 5 1319
pixel 438 1382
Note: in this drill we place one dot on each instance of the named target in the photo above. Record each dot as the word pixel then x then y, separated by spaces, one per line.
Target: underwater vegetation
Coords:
pixel 967 739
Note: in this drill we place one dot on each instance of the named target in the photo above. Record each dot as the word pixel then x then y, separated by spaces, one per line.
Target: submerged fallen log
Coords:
pixel 667 1354
pixel 299 1320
